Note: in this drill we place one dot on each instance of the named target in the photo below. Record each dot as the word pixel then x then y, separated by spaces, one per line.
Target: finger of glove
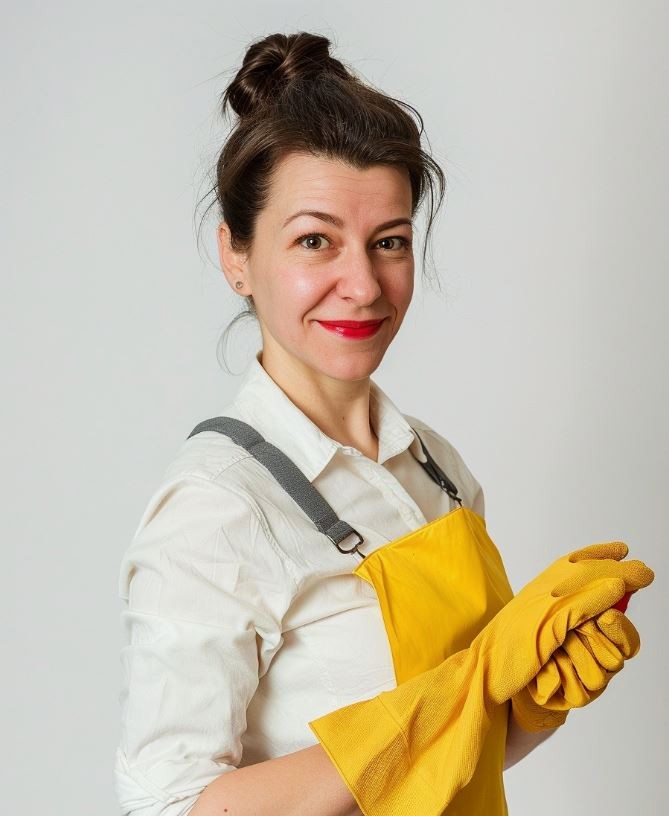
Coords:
pixel 590 673
pixel 620 630
pixel 604 651
pixel 569 693
pixel 634 573
pixel 558 703
pixel 575 693
pixel 582 604
pixel 607 549
pixel 546 683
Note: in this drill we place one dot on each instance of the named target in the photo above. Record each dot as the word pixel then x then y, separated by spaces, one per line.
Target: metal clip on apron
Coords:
pixel 437 586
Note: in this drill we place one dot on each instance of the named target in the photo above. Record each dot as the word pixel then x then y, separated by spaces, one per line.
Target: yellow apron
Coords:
pixel 437 587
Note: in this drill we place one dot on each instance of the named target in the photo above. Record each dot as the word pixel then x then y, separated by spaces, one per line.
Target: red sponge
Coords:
pixel 622 603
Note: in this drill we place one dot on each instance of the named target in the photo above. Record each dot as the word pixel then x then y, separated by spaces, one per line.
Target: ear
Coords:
pixel 233 263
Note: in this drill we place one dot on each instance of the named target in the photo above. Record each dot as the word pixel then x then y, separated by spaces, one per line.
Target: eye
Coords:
pixel 312 235
pixel 405 243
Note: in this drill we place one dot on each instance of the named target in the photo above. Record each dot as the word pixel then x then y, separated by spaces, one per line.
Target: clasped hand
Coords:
pixel 580 669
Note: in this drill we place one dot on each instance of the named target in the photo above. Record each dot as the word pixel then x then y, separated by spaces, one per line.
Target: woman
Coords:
pixel 244 625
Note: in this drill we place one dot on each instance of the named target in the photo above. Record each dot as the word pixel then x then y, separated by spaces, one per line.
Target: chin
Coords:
pixel 349 367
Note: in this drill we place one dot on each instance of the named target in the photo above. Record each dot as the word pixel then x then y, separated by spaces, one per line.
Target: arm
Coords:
pixel 304 783
pixel 206 592
pixel 520 743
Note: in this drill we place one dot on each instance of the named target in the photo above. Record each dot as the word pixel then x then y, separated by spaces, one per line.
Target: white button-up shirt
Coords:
pixel 243 622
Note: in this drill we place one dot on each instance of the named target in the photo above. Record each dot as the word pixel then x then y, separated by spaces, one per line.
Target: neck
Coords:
pixel 340 408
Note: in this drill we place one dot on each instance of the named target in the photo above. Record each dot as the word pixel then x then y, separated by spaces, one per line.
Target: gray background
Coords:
pixel 544 359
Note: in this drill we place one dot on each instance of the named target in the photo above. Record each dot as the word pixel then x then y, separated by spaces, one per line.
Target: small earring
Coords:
pixel 239 284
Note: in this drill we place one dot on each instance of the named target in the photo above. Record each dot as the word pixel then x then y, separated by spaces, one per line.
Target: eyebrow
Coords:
pixel 337 222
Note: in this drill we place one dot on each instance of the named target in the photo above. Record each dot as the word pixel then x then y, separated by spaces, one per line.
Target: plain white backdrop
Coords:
pixel 550 333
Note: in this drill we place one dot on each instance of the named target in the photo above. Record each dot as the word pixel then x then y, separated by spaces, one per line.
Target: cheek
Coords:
pixel 399 289
pixel 294 291
pixel 308 287
pixel 302 284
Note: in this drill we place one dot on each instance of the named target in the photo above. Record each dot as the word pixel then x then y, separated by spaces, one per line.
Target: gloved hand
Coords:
pixel 577 672
pixel 411 749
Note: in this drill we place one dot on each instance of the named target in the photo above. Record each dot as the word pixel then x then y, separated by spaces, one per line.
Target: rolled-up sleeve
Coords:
pixel 205 587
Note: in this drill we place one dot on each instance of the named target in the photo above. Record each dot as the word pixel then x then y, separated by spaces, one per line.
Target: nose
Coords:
pixel 358 279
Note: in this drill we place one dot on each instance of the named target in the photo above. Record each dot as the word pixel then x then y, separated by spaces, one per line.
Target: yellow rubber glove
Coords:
pixel 578 672
pixel 411 749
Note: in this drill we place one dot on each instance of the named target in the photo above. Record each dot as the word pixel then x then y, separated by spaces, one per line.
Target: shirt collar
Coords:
pixel 264 405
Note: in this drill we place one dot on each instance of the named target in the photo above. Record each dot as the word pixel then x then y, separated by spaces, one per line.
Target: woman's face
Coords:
pixel 347 264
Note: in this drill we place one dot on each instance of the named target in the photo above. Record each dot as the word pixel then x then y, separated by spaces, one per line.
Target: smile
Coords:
pixel 352 330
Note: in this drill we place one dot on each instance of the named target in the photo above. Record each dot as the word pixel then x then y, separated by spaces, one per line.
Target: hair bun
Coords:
pixel 273 62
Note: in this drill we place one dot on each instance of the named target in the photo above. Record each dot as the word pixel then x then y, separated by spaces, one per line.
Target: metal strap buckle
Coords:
pixel 354 548
pixel 449 489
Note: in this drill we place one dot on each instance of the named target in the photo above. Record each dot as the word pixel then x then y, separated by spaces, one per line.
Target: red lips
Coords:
pixel 351 324
pixel 352 329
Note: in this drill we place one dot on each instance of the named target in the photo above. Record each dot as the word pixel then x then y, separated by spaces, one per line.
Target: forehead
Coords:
pixel 303 179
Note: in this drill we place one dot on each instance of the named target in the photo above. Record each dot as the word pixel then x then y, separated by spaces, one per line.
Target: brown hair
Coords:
pixel 291 96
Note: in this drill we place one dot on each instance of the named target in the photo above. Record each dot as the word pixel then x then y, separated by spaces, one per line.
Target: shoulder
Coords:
pixel 207 454
pixel 204 512
pixel 448 456
pixel 200 476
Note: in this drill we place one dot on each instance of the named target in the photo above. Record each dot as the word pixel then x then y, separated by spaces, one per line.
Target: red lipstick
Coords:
pixel 352 328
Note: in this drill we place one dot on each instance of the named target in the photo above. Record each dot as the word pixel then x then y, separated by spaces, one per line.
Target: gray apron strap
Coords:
pixel 296 484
